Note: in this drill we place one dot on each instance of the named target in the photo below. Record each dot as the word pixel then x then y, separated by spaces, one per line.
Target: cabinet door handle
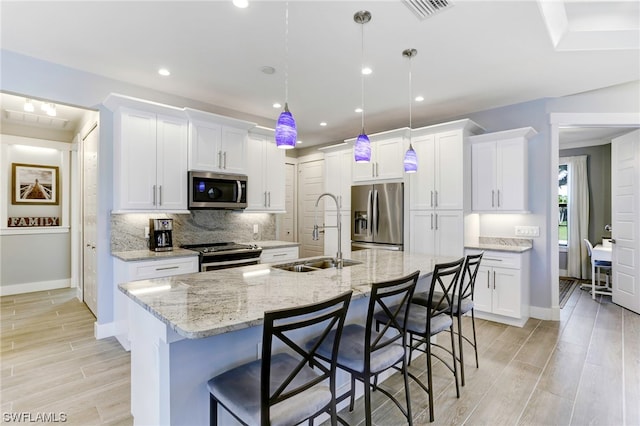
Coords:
pixel 436 205
pixel 494 259
pixel 493 198
pixel 265 198
pixel 224 156
pixel 160 195
pixel 498 198
pixel 219 159
pixel 431 199
pixel 431 220
pixel 488 279
pixel 436 221
pixel 269 197
pixel 154 195
pixel 494 279
pixel 167 267
pixel 279 254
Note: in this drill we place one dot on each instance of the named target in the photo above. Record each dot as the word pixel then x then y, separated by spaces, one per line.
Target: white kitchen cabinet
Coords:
pixel 502 287
pixel 337 178
pixel 266 173
pixel 279 254
pixel 150 167
pixel 217 143
pixel 387 156
pixel 499 171
pixel 127 271
pixel 439 181
pixel 440 233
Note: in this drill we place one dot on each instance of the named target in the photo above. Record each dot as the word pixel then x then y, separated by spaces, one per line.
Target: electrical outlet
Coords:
pixel 527 231
pixel 255 228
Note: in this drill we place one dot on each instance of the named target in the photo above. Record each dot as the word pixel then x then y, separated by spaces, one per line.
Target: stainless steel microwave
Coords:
pixel 208 190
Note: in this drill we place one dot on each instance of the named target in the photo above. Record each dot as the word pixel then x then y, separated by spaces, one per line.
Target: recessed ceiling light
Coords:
pixel 277 105
pixel 419 98
pixel 324 123
pixel 358 110
pixel 366 70
pixel 268 70
pixel 164 72
pixel 242 4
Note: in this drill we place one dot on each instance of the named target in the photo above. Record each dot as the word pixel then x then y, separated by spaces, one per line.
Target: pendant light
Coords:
pixel 286 132
pixel 362 147
pixel 410 157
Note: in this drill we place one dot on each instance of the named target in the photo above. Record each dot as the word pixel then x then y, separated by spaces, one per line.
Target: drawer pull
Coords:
pixel 493 259
pixel 279 254
pixel 167 267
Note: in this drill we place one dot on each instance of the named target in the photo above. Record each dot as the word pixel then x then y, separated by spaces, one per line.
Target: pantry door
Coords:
pixel 625 203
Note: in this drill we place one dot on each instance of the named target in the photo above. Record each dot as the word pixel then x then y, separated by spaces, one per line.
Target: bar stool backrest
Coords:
pixel 443 285
pixel 285 329
pixel 384 296
pixel 468 277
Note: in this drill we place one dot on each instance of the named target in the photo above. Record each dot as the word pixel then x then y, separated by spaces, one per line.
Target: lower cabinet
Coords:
pixel 437 232
pixel 502 287
pixel 279 254
pixel 127 271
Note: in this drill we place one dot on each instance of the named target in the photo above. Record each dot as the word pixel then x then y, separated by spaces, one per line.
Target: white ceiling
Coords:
pixel 474 56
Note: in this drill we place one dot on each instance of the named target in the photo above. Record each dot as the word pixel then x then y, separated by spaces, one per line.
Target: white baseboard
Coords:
pixel 101 331
pixel 546 314
pixel 8 290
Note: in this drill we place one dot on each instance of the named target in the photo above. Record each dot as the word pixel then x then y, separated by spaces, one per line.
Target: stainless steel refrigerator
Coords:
pixel 377 216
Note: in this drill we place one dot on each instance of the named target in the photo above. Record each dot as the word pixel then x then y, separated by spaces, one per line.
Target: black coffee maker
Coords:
pixel 160 238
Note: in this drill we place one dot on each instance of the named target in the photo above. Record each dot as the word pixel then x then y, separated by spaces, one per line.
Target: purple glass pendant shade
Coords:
pixel 286 132
pixel 410 160
pixel 362 149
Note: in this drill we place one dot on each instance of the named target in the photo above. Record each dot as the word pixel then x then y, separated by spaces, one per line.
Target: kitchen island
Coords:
pixel 188 328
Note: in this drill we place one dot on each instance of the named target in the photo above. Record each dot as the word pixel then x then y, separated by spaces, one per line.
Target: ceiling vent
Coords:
pixel 26 118
pixel 427 8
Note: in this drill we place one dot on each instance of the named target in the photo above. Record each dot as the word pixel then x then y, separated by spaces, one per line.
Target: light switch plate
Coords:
pixel 527 231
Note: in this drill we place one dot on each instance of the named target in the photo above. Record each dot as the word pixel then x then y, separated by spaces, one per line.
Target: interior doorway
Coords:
pixel 616 124
pixel 311 185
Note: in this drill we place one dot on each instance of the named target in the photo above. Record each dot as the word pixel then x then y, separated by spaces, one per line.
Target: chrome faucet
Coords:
pixel 316 232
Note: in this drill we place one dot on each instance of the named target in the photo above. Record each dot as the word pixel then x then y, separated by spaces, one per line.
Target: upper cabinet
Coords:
pixel 265 172
pixel 439 181
pixel 499 170
pixel 150 156
pixel 217 143
pixel 337 177
pixel 387 155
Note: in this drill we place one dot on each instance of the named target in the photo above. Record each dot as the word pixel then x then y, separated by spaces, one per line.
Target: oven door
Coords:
pixel 212 265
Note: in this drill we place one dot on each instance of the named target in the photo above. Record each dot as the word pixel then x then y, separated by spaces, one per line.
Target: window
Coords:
pixel 563 194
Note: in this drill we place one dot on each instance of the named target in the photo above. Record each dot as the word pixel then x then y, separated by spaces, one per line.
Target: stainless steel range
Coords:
pixel 225 255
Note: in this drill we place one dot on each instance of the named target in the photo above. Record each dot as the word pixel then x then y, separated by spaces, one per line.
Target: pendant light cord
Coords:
pixel 362 75
pixel 286 57
pixel 410 102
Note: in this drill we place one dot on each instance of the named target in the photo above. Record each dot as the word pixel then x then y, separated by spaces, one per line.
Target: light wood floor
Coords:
pixel 582 370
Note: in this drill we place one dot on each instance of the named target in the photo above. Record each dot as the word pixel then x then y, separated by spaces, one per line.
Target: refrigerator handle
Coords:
pixel 375 211
pixel 369 219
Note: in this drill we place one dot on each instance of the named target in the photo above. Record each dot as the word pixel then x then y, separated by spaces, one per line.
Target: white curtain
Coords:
pixel 578 263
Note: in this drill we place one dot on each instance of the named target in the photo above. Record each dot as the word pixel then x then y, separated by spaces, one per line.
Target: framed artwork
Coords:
pixel 34 184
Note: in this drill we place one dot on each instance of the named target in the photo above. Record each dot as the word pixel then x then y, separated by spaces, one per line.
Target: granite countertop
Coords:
pixel 209 303
pixel 512 245
pixel 134 255
pixel 272 244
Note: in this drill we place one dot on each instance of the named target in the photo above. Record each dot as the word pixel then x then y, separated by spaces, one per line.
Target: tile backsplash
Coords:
pixel 200 226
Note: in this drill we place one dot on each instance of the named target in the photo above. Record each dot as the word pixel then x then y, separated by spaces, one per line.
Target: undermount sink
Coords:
pixel 310 265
